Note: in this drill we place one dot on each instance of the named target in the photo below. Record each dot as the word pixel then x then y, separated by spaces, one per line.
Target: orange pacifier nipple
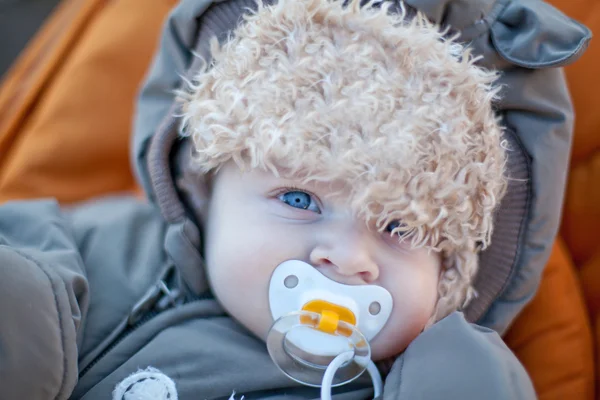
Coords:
pixel 331 314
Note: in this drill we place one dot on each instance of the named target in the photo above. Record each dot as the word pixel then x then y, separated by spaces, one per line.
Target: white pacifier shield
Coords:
pixel 295 283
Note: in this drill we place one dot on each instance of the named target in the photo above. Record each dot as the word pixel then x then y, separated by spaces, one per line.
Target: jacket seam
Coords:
pixel 502 50
pixel 401 370
pixel 58 313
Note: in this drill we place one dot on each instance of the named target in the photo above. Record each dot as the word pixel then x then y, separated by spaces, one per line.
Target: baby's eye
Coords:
pixel 394 225
pixel 298 199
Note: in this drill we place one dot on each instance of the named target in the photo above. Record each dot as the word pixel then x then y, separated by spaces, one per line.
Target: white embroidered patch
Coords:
pixel 148 384
pixel 232 397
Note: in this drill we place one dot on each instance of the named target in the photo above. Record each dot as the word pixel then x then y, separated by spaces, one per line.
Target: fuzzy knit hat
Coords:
pixel 386 103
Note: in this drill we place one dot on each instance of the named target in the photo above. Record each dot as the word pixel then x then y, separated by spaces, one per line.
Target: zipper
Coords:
pixel 128 330
pixel 156 300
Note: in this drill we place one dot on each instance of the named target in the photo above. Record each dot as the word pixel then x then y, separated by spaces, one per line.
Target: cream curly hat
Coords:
pixel 356 93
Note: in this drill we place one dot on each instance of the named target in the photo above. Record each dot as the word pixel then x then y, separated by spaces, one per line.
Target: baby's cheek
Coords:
pixel 242 288
pixel 401 329
pixel 414 295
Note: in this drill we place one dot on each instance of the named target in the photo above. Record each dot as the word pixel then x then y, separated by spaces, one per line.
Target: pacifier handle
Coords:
pixel 337 363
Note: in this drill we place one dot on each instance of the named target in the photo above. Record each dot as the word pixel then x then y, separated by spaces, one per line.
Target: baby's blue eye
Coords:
pixel 298 199
pixel 393 225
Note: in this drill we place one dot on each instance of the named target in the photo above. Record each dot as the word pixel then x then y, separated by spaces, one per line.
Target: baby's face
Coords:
pixel 255 221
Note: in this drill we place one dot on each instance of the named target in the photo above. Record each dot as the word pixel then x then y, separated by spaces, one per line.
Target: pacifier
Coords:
pixel 322 328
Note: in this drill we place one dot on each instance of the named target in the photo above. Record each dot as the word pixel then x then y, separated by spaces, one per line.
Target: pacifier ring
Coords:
pixel 303 352
pixel 340 361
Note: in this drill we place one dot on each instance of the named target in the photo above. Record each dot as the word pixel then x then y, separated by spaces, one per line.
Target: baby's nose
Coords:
pixel 348 253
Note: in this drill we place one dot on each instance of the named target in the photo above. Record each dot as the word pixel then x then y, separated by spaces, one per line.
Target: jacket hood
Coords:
pixel 535 108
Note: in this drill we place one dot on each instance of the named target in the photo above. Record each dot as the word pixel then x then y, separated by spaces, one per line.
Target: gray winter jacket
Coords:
pixel 91 294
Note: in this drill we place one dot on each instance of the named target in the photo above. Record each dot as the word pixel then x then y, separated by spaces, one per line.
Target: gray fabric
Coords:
pixel 458 360
pixel 43 302
pixel 117 239
pixel 170 63
pixel 182 242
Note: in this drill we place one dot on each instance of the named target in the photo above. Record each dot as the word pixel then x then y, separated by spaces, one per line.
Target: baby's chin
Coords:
pixel 382 349
pixel 260 329
pixel 391 341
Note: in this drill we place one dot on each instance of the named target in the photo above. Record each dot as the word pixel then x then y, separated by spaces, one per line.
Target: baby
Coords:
pixel 351 139
pixel 320 196
pixel 354 139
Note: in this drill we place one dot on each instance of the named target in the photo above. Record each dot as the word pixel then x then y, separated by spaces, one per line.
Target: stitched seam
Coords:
pixel 489 19
pixel 188 242
pixel 400 372
pixel 554 62
pixel 60 319
pixel 502 50
pixel 128 390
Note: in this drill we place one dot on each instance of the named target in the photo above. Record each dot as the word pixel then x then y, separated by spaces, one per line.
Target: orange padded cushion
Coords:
pixel 552 336
pixel 582 213
pixel 66 107
pixel 581 217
